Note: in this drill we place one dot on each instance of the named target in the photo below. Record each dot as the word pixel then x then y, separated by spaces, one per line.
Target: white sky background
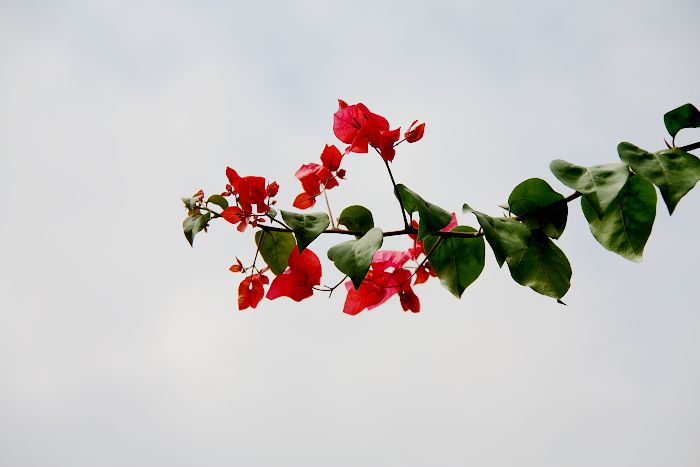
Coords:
pixel 121 346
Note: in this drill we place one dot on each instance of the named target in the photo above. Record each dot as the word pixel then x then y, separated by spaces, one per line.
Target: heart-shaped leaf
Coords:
pixel 218 200
pixel 432 218
pixel 194 224
pixel 542 266
pixel 275 248
pixel 354 257
pixel 306 227
pixel 675 172
pixel 456 261
pixel 626 225
pixel 505 235
pixel 356 218
pixel 685 116
pixel 600 183
pixel 535 199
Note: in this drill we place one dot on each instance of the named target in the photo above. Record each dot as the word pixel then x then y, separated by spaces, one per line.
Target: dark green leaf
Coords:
pixel 542 266
pixel 275 248
pixel 534 199
pixel 626 225
pixel 306 227
pixel 218 200
pixel 675 172
pixel 456 261
pixel 505 235
pixel 354 257
pixel 356 218
pixel 600 183
pixel 193 224
pixel 685 116
pixel 432 217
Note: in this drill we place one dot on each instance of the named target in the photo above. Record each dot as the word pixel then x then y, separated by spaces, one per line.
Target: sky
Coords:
pixel 123 346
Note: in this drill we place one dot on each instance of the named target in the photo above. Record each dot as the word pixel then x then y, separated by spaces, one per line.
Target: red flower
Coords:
pixel 297 282
pixel 357 126
pixel 414 134
pixel 314 177
pixel 234 215
pixel 386 143
pixel 250 190
pixel 251 291
pixel 380 284
pixel 238 267
pixel 423 273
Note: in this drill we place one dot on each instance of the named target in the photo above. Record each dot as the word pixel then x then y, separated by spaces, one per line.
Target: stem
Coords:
pixel 690 147
pixel 393 183
pixel 328 205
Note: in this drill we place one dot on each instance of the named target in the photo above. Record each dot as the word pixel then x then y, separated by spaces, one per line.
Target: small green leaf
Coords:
pixel 456 261
pixel 189 202
pixel 626 225
pixel 193 224
pixel 218 200
pixel 306 227
pixel 600 183
pixel 675 172
pixel 271 213
pixel 534 197
pixel 685 116
pixel 432 217
pixel 275 248
pixel 356 218
pixel 505 235
pixel 542 266
pixel 354 257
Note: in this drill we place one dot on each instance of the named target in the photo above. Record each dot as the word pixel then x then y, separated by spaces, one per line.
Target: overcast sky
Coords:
pixel 122 346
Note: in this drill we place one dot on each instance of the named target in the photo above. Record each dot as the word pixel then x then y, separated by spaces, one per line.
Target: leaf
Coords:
pixel 599 183
pixel 275 248
pixel 685 116
pixel 675 172
pixel 271 213
pixel 306 227
pixel 190 202
pixel 456 261
pixel 505 235
pixel 542 266
pixel 218 200
pixel 356 218
pixel 193 224
pixel 354 257
pixel 534 198
pixel 626 225
pixel 432 217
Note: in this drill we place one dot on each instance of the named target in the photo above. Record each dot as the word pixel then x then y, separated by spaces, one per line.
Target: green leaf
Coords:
pixel 432 217
pixel 542 266
pixel 626 225
pixel 675 172
pixel 189 202
pixel 306 227
pixel 505 235
pixel 193 224
pixel 600 183
pixel 685 116
pixel 271 213
pixel 218 200
pixel 456 261
pixel 356 218
pixel 354 257
pixel 534 198
pixel 275 248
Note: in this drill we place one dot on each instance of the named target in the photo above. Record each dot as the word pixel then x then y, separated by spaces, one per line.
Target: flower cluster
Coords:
pixel 248 192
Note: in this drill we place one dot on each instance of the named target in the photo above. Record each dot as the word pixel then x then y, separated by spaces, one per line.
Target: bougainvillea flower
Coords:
pixel 380 284
pixel 315 178
pixel 357 126
pixel 272 189
pixel 386 143
pixel 238 267
pixel 251 191
pixel 414 134
pixel 236 215
pixel 423 273
pixel 312 176
pixel 331 158
pixel 251 291
pixel 298 280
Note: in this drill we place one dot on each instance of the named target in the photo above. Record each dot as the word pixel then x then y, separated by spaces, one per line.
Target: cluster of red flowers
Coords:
pixel 359 128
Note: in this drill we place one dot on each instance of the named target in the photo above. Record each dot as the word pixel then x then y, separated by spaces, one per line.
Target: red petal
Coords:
pixel 233 177
pixel 250 292
pixel 409 300
pixel 331 157
pixel 386 143
pixel 307 263
pixel 308 175
pixel 233 214
pixel 414 134
pixel 272 189
pixel 304 201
